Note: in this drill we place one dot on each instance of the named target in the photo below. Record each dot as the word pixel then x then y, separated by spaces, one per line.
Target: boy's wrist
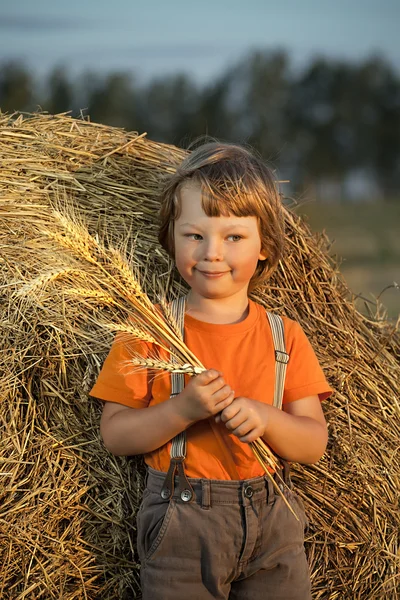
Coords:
pixel 266 419
pixel 178 407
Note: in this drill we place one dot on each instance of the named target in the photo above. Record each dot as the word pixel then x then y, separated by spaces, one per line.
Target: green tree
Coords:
pixel 319 132
pixel 215 115
pixel 259 101
pixel 168 106
pixel 343 117
pixel 384 147
pixel 111 100
pixel 16 88
pixel 61 94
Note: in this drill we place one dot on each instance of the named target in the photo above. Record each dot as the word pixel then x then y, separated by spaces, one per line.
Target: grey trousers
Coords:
pixel 237 540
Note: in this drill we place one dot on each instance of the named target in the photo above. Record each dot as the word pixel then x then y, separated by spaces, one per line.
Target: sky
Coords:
pixel 155 37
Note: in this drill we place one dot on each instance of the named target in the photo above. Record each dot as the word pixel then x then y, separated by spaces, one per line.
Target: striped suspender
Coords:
pixel 281 356
pixel 178 446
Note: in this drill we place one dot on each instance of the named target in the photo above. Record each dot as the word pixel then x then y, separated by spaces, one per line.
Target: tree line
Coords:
pixel 322 125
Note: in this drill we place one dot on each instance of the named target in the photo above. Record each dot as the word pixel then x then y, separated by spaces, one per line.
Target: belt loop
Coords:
pixel 286 474
pixel 269 486
pixel 205 494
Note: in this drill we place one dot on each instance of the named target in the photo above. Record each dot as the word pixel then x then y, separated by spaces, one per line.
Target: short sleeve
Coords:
pixel 304 375
pixel 118 381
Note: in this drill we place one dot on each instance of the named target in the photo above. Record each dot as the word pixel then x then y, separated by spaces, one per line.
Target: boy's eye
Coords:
pixel 194 236
pixel 198 237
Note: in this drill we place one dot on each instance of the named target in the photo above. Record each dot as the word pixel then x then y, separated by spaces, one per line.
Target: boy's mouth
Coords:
pixel 212 273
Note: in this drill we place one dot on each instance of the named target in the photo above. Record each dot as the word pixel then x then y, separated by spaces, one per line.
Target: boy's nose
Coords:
pixel 213 250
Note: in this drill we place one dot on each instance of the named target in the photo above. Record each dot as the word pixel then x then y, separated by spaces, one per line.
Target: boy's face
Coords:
pixel 216 256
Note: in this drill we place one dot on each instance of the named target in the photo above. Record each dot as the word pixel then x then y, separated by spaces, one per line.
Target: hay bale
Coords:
pixel 67 507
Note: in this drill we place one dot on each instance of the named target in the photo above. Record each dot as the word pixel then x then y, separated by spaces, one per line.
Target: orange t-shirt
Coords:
pixel 244 353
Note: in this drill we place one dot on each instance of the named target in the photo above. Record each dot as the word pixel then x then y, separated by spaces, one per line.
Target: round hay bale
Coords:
pixel 67 507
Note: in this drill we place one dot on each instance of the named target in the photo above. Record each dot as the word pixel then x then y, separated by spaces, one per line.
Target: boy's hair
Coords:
pixel 233 181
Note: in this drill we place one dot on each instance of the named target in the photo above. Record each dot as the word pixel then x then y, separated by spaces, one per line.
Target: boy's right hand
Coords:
pixel 204 396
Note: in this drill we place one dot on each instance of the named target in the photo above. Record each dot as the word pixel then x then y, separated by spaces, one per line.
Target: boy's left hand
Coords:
pixel 245 418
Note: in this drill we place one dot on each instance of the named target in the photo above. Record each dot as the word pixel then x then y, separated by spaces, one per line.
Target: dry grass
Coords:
pixel 67 507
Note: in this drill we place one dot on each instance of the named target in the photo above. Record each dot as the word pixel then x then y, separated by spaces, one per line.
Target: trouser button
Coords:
pixel 186 495
pixel 248 491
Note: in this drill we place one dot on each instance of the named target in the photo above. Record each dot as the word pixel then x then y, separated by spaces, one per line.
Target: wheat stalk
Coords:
pixel 98 296
pixel 131 331
pixel 154 363
pixel 42 280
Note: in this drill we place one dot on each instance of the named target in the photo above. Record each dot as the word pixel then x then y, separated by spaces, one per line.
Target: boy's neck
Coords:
pixel 225 311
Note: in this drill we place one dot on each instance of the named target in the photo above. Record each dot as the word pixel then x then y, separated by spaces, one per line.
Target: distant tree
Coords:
pixel 317 125
pixel 384 105
pixel 61 92
pixel 368 108
pixel 343 117
pixel 320 134
pixel 259 97
pixel 16 87
pixel 215 115
pixel 168 108
pixel 111 100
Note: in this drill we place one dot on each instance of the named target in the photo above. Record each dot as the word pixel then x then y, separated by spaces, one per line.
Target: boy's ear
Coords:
pixel 263 255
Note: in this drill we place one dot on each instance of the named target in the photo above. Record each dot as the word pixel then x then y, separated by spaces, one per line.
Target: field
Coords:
pixel 366 241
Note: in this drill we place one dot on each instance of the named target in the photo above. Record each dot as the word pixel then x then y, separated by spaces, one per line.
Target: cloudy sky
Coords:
pixel 152 37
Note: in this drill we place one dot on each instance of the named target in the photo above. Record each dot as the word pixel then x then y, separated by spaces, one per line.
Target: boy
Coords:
pixel 228 534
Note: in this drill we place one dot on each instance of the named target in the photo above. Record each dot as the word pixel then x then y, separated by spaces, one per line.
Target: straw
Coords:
pixel 67 507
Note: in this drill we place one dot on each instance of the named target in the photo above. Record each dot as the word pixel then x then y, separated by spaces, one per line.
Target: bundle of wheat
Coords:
pixel 67 507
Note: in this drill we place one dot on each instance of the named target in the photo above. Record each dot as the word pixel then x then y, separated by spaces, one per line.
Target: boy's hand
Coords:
pixel 204 396
pixel 245 418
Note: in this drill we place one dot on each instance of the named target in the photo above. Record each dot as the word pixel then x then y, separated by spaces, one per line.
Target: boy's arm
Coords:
pixel 297 433
pixel 127 431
